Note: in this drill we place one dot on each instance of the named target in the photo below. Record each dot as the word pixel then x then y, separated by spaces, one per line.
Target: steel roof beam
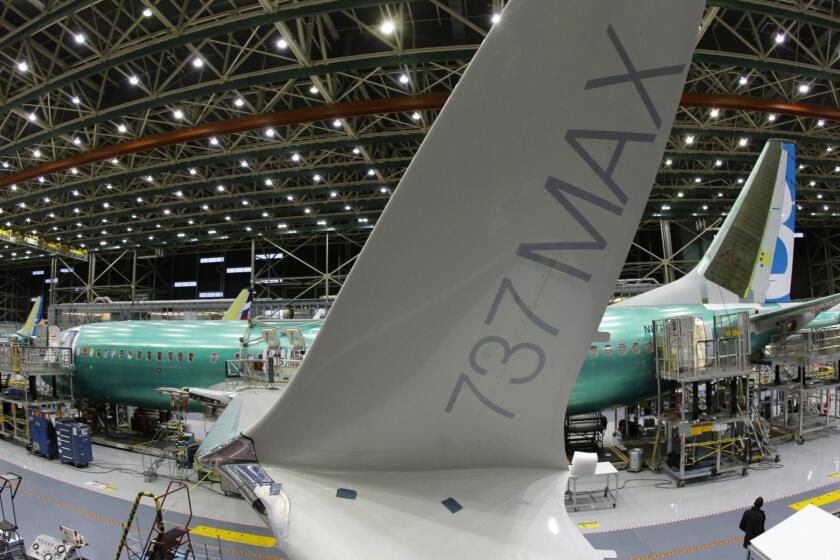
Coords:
pixel 43 21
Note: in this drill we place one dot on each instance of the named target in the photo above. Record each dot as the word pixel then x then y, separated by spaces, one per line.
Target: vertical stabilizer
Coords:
pixel 241 306
pixel 33 320
pixel 751 257
pixel 460 331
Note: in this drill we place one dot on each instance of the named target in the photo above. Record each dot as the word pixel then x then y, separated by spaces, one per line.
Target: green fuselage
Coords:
pixel 105 372
pixel 125 362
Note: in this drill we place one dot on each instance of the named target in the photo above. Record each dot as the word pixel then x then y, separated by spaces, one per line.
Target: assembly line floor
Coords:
pixel 653 518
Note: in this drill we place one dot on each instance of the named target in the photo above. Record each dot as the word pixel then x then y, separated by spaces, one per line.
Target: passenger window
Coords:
pixel 214 357
pixel 169 356
pixel 622 349
pixel 149 355
pixel 259 356
pixel 122 354
pixel 180 356
pixel 608 350
pixel 84 351
pixel 113 353
pixel 139 354
pixel 250 356
pixel 593 351
pixel 191 357
pixel 160 356
pixel 99 352
pixel 648 347
pixel 236 356
pixel 636 348
pixel 129 354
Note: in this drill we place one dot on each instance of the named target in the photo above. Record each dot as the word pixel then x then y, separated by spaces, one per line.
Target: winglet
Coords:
pixel 240 309
pixel 33 320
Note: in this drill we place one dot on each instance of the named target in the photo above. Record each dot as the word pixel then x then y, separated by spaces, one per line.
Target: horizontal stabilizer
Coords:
pixel 793 316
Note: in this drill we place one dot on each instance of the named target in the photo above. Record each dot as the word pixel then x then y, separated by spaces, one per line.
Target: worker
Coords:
pixel 752 523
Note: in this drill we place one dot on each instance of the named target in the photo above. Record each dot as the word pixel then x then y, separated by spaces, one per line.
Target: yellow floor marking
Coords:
pixel 834 475
pixel 686 550
pixel 233 536
pixel 589 524
pixel 820 500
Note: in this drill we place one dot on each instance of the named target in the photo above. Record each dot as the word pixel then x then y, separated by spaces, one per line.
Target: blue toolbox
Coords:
pixel 42 435
pixel 74 442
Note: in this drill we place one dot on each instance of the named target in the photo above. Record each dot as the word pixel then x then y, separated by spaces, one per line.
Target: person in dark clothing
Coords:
pixel 752 523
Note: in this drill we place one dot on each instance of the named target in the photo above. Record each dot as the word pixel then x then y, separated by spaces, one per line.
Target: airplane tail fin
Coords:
pixel 545 160
pixel 751 257
pixel 240 309
pixel 33 320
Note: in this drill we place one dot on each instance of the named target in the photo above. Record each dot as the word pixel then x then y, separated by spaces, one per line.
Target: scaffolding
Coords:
pixel 33 379
pixel 802 395
pixel 708 430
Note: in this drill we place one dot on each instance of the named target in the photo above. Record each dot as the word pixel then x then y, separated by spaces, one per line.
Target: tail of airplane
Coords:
pixel 33 320
pixel 751 257
pixel 543 156
pixel 240 309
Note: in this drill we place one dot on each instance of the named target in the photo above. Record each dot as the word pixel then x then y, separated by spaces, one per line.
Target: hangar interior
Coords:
pixel 185 187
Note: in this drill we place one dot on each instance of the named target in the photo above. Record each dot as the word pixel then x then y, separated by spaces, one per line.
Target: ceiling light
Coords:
pixel 313 89
pixel 134 216
pixel 264 214
pixel 133 80
pixel 22 66
pixel 821 122
pixel 245 203
pixel 282 44
pixel 75 99
pixel 190 222
pixel 290 197
pixel 239 102
pixel 179 194
pixel 804 88
pixel 115 161
pixel 268 182
pixel 828 148
pixel 269 132
pixel 336 123
pixel 220 188
pixel 139 199
pixel 666 207
pixel 383 190
pixel 6 165
pixel 779 38
pixel 714 113
pixel 109 186
pixel 77 141
pixel 321 222
pixel 333 194
pixel 494 19
pixel 74 171
pixel 771 117
pixel 243 163
pixel 178 114
pixel 147 13
pixel 106 205
pixel 227 218
pixel 371 172
pixel 36 153
pixel 819 196
pixel 813 183
pixel 680 194
pixel 197 62
pixel 705 207
pixel 76 210
pixel 718 163
pixel 157 225
pixel 214 141
pixel 689 139
pixel 740 181
pixel 182 234
pixel 743 80
pixel 79 38
pixel 205 207
pixel 307 211
pixel 211 231
pixel 121 128
pixel 404 78
pixel 46 199
pixel 387 27
pixel 363 220
pixel 357 150
pixel 742 142
pixel 32 117
pixel 697 179
pixel 295 157
pixel 247 228
pixel 348 208
pixel 167 211
pixel 316 178
pixel 13 187
pixel 192 171
pixel 415 116
pixel 282 226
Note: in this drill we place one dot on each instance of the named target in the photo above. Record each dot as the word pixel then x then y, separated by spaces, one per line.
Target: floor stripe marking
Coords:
pixel 820 500
pixel 234 536
pixel 686 550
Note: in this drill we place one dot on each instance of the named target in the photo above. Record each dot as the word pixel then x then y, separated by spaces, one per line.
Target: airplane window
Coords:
pixel 636 348
pixel 122 354
pixel 250 356
pixel 622 349
pixel 593 351
pixel 648 347
pixel 180 356
pixel 170 358
pixel 139 354
pixel 129 354
pixel 236 356
pixel 84 351
pixel 160 356
pixel 99 352
pixel 214 357
pixel 113 353
pixel 149 355
pixel 259 356
pixel 191 357
pixel 608 350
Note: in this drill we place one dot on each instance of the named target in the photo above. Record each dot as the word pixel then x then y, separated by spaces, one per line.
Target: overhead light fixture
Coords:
pixel 718 163
pixel 804 88
pixel 32 117
pixel 122 128
pixel 337 123
pixel 697 179
pixel 282 44
pixel 264 214
pixel 214 141
pixel 740 181
pixel 179 194
pixel 239 102
pixel 313 90
pixel 821 122
pixel 321 222
pixel 371 172
pixel 36 153
pixel 714 113
pixel 307 210
pixel 167 211
pixel 197 62
pixel 316 178
pixel 220 188
pixel 106 205
pixel 139 199
pixel 227 218
pixel 192 171
pixel 77 141
pixel 269 132
pixel 282 226
pixel 268 182
pixel 79 38
pixel 295 157
pixel 779 38
pixel 689 139
pixel 383 190
pixel 404 78
pixel 812 183
pixel 680 194
pixel 357 150
pixel 147 13
pixel 115 161
pixel 205 207
pixel 347 208
pixel 245 203
pixel 75 99
pixel 23 66
pixel 743 80
pixel 387 27
pixel 290 197
pixel 495 18
pixel 178 114
pixel 6 165
pixel 742 142
pixel 333 194
pixel 771 117
pixel 415 116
